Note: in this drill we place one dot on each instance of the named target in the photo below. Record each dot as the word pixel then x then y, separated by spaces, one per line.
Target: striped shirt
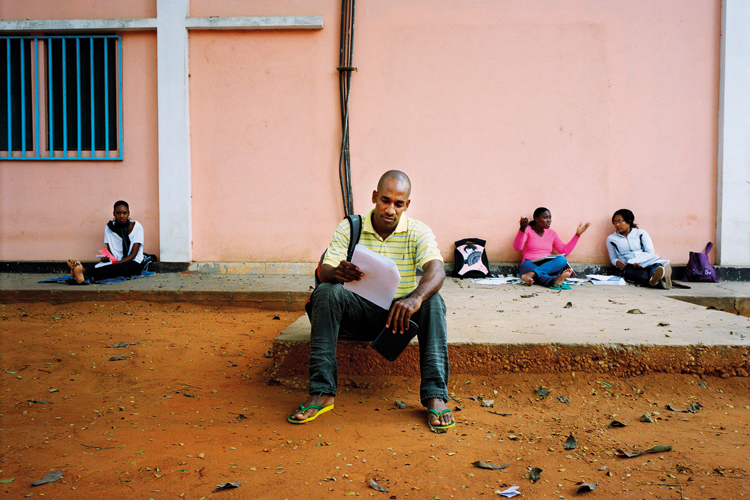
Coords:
pixel 412 244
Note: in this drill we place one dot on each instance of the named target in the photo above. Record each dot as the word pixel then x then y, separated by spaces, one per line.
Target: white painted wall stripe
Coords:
pixel 175 204
pixel 248 23
pixel 733 183
pixel 256 23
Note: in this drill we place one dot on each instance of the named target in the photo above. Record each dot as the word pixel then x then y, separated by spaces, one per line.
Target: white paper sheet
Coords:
pixel 599 279
pixel 510 492
pixel 380 280
pixel 502 280
pixel 644 259
pixel 575 281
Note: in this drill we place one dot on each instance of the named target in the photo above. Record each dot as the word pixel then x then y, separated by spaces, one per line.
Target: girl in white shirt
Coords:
pixel 124 240
pixel 631 250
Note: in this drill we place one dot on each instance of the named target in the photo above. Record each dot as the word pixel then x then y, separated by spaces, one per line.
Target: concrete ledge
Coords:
pixel 496 330
pixel 734 305
pixel 358 363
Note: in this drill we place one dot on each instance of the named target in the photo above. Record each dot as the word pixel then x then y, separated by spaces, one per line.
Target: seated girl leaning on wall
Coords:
pixel 631 250
pixel 124 240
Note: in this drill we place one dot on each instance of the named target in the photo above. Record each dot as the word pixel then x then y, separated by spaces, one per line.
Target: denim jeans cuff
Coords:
pixel 321 390
pixel 443 397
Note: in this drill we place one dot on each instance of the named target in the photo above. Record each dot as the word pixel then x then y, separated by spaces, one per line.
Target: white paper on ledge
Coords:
pixel 380 280
pixel 599 279
pixel 501 280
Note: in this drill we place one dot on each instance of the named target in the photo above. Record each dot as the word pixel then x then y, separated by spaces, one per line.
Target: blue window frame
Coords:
pixel 61 97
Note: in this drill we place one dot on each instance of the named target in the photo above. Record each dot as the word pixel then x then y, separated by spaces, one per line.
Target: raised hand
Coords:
pixel 581 228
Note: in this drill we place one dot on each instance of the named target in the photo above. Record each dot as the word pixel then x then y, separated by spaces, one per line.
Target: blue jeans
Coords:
pixel 334 307
pixel 547 272
pixel 639 275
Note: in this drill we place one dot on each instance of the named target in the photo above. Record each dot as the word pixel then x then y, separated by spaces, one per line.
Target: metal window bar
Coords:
pixel 23 105
pixel 53 107
pixel 8 85
pixel 106 102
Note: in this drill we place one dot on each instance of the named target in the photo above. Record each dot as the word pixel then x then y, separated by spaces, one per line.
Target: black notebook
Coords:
pixel 390 344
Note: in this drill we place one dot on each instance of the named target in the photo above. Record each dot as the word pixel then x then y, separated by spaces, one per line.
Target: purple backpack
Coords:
pixel 699 268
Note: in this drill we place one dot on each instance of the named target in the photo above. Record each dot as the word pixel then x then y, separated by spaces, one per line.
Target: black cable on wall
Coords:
pixel 345 69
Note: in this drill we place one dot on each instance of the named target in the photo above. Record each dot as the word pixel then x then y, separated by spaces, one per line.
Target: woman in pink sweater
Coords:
pixel 535 240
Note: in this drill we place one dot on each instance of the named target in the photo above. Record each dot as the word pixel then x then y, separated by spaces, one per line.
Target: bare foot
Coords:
pixel 528 278
pixel 439 406
pixel 565 274
pixel 78 272
pixel 323 400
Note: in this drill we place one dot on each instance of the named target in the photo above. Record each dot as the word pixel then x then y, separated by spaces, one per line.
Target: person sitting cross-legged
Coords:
pixel 409 243
pixel 535 240
pixel 124 240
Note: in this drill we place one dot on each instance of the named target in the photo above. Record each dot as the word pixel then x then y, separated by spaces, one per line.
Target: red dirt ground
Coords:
pixel 166 421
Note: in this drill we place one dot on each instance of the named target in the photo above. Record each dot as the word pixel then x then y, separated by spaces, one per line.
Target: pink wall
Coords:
pixel 264 137
pixel 14 10
pixel 231 8
pixel 492 107
pixel 57 209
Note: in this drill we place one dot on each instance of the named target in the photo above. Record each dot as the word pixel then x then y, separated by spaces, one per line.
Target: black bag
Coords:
pixel 471 259
pixel 355 230
pixel 148 259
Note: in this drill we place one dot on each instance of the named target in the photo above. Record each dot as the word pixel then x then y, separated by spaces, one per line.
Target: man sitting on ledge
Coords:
pixel 409 243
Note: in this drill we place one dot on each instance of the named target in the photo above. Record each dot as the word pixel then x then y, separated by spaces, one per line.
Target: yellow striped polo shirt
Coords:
pixel 412 244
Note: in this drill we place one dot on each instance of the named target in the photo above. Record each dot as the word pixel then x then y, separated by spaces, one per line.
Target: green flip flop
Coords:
pixel 437 415
pixel 302 409
pixel 561 286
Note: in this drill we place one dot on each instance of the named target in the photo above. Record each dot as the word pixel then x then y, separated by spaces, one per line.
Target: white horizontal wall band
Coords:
pixel 255 23
pixel 227 23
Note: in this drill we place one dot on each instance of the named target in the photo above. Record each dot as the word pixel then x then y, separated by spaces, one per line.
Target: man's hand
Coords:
pixel 345 272
pixel 620 265
pixel 400 313
pixel 402 309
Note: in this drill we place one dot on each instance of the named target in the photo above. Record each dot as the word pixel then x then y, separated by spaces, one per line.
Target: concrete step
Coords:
pixel 513 328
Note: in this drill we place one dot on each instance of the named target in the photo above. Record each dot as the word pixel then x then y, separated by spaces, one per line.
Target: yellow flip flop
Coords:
pixel 437 416
pixel 302 409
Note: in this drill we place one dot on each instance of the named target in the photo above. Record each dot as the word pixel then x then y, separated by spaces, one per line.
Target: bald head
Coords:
pixel 400 178
pixel 391 199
